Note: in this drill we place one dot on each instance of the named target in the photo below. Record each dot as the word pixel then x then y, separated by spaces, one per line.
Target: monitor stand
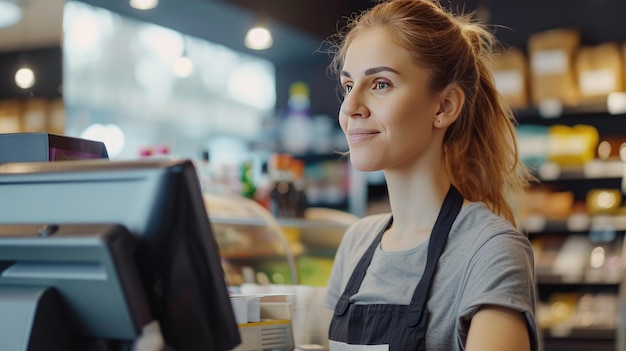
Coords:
pixel 33 319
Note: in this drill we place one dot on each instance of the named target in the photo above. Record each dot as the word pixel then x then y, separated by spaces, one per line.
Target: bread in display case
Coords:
pixel 256 247
pixel 252 245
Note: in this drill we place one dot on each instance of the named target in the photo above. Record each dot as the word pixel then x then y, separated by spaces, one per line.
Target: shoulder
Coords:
pixel 479 225
pixel 499 266
pixel 480 238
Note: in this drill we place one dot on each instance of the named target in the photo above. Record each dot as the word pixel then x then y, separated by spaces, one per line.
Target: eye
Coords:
pixel 346 89
pixel 381 84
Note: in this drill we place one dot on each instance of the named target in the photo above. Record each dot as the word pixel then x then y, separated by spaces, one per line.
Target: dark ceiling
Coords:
pixel 318 17
pixel 514 20
pixel 300 26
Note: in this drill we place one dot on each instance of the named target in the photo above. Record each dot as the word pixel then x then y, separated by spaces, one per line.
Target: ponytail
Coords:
pixel 481 153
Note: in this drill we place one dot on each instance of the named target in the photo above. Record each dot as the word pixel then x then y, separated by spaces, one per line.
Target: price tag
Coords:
pixel 578 222
pixel 594 169
pixel 549 171
pixel 535 223
pixel 550 108
pixel 616 103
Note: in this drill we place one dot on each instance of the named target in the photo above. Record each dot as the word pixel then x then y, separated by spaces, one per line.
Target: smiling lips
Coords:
pixel 361 134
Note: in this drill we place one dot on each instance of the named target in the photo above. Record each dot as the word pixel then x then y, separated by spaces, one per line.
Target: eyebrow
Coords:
pixel 372 70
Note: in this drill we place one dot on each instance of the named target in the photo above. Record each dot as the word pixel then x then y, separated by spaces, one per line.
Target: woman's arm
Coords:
pixel 495 328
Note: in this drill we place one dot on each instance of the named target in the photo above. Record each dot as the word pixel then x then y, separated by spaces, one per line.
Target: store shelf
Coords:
pixel 587 333
pixel 565 243
pixel 588 280
pixel 595 169
pixel 579 222
pixel 310 224
pixel 552 109
pixel 251 255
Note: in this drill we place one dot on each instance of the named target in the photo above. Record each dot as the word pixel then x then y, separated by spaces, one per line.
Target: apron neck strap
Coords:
pixel 449 211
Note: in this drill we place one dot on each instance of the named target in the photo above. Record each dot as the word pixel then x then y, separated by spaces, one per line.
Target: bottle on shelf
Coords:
pixel 282 189
pixel 299 200
pixel 248 187
pixel 296 126
pixel 262 194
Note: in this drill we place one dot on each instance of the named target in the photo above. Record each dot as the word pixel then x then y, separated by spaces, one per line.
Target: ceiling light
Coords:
pixel 10 13
pixel 183 66
pixel 144 4
pixel 25 78
pixel 259 38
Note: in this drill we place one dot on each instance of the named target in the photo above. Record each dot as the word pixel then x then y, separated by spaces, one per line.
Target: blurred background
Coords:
pixel 242 88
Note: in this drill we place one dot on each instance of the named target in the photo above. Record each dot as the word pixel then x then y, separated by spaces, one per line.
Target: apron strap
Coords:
pixel 449 211
pixel 359 273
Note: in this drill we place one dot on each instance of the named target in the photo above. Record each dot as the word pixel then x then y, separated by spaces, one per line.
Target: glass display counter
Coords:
pixel 251 242
pixel 258 248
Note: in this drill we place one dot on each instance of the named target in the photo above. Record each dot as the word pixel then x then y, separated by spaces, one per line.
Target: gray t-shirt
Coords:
pixel 485 261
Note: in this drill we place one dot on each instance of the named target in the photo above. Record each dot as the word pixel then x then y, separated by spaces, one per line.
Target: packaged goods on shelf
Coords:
pixel 287 197
pixel 563 313
pixel 603 201
pixel 573 257
pixel 563 145
pixel 10 116
pixel 547 203
pixel 600 71
pixel 510 73
pixel 558 310
pixel 552 73
pixel 572 146
pixel 32 115
pixel 533 141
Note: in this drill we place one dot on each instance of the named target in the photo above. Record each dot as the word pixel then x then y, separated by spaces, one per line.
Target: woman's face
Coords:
pixel 388 114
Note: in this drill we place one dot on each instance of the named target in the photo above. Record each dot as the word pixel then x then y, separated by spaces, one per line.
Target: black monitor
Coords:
pixel 73 212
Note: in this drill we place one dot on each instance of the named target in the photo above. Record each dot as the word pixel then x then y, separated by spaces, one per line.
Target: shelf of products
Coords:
pixel 576 220
pixel 570 106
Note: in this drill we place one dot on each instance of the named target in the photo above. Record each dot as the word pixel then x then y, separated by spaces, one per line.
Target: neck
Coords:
pixel 415 199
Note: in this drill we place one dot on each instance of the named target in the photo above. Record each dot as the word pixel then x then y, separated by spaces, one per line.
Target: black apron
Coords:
pixel 402 327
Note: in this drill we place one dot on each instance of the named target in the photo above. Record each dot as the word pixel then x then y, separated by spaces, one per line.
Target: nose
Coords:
pixel 353 105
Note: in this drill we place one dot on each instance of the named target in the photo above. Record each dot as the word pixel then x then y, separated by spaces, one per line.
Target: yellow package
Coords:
pixel 572 146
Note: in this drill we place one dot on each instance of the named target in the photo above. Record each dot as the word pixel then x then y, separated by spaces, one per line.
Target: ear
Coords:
pixel 452 100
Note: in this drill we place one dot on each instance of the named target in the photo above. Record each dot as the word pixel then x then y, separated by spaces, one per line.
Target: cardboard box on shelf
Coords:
pixel 35 115
pixel 510 73
pixel 600 71
pixel 10 116
pixel 552 74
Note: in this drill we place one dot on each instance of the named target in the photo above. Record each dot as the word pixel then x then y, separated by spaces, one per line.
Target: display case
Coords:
pixel 252 244
pixel 257 247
